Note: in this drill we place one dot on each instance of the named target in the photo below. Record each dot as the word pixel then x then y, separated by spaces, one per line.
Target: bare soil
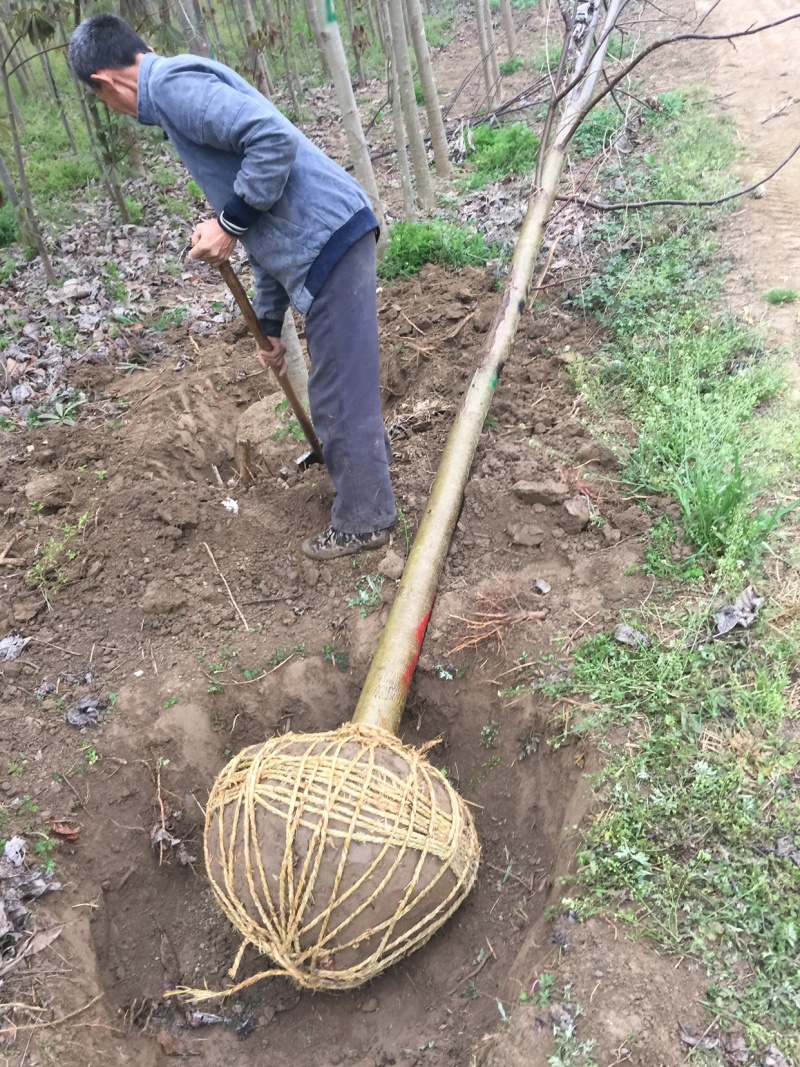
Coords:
pixel 144 614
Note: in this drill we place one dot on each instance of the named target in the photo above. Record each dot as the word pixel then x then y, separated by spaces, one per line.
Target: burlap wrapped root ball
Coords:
pixel 337 854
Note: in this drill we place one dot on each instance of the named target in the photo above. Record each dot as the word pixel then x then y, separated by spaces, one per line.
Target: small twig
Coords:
pixel 49 644
pixel 683 203
pixel 160 800
pixel 249 681
pixel 454 333
pixel 510 874
pixel 473 973
pixel 413 324
pixel 53 1022
pixel 705 1033
pixel 82 803
pixel 225 583
pixel 4 556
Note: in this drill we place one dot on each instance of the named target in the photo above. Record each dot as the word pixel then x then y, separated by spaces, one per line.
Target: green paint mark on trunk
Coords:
pixel 330 11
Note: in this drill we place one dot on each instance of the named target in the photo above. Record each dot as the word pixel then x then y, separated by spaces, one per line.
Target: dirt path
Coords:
pixel 757 83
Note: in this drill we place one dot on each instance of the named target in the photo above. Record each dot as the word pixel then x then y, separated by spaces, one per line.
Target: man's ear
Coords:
pixel 102 79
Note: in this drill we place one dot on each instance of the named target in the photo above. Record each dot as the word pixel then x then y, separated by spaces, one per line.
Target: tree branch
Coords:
pixel 682 203
pixel 675 39
pixel 22 62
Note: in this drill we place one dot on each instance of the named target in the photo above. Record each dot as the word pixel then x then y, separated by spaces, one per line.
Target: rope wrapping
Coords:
pixel 336 854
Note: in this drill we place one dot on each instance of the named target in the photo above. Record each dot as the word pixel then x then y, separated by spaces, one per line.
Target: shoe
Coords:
pixel 330 544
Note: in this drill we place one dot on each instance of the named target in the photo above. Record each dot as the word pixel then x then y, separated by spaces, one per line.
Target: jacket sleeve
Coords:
pixel 271 301
pixel 219 116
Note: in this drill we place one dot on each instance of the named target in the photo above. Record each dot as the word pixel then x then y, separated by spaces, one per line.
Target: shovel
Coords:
pixel 314 453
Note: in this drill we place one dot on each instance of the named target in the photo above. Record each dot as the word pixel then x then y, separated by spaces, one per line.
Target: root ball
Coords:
pixel 337 854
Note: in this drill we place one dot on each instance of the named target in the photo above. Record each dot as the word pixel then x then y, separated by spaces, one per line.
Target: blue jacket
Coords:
pixel 295 211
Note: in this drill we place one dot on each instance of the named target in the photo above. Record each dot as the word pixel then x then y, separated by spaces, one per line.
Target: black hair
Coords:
pixel 103 42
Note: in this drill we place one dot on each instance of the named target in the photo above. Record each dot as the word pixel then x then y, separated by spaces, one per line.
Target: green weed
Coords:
pixel 547 59
pixel 17 767
pixel 511 66
pixel 9 225
pixel 500 150
pixel 781 296
pixel 490 732
pixel 413 244
pixel 90 755
pixel 289 424
pixel 63 410
pixel 621 46
pixel 339 657
pixel 135 212
pixel 368 594
pixel 48 571
pixel 114 284
pixel 282 653
pixel 170 318
pixel 598 130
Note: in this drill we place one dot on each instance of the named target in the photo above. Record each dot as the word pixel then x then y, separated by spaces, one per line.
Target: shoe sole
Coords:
pixel 339 551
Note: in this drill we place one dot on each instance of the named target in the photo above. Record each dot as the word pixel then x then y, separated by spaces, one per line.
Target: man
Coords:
pixel 308 231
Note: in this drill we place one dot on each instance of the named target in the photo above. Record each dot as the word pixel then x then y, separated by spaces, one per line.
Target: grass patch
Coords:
pixel 496 151
pixel 781 296
pixel 696 844
pixel 511 66
pixel 692 377
pixel 598 130
pixel 701 815
pixel 9 225
pixel 413 244
pixel 546 59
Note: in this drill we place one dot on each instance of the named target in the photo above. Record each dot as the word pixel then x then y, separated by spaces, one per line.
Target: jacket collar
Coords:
pixel 147 115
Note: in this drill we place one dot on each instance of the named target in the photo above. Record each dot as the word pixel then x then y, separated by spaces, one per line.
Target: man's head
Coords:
pixel 105 54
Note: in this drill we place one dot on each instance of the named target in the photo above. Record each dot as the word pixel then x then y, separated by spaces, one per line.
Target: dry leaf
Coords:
pixel 67 833
pixel 169 1046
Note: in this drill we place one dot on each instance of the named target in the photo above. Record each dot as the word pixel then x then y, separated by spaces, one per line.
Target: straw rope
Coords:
pixel 328 919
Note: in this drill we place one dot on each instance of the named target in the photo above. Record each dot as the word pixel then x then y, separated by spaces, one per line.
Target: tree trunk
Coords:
pixel 483 49
pixel 393 87
pixel 8 185
pixel 298 371
pixel 48 73
pixel 260 69
pixel 194 32
pixel 19 73
pixel 108 166
pixel 351 29
pixel 385 688
pixel 315 24
pixel 356 142
pixel 291 38
pixel 426 77
pixel 508 27
pixel 219 48
pixel 408 101
pixel 491 45
pixel 285 46
pixel 30 224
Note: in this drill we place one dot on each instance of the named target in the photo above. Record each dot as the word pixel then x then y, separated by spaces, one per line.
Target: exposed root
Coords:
pixel 499 614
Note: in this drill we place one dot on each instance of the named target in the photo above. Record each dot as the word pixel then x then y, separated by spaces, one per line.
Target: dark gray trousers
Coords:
pixel 344 392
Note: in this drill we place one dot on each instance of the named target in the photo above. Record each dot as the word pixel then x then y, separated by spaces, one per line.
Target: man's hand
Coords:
pixel 211 244
pixel 274 357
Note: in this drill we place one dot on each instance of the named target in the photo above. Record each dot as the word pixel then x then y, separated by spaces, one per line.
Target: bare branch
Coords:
pixel 675 39
pixel 682 203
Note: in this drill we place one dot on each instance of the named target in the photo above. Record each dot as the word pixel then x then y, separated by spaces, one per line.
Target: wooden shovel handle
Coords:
pixel 240 296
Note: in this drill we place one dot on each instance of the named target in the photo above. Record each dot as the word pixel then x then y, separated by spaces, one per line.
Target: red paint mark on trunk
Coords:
pixel 412 666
